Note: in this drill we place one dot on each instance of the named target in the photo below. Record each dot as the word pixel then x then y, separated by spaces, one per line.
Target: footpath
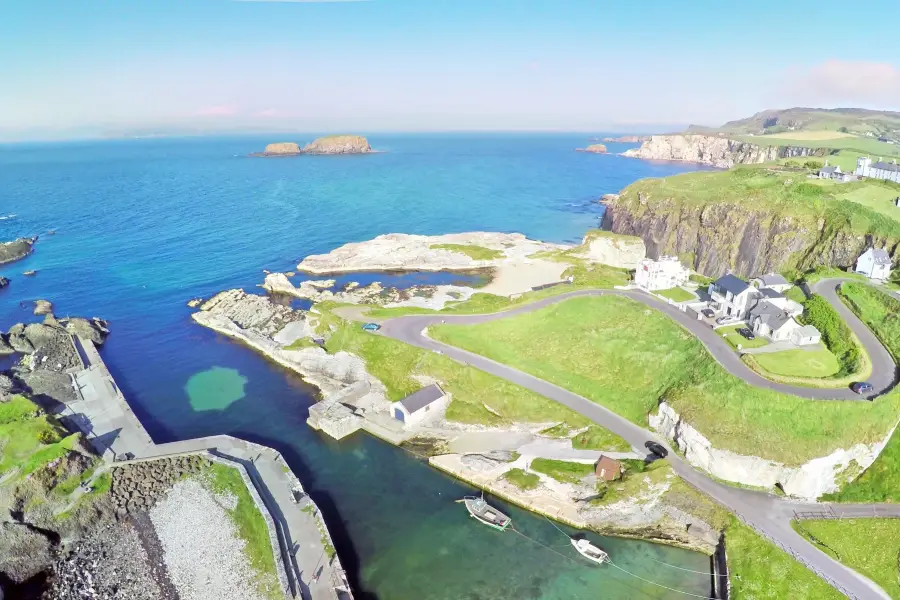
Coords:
pixel 308 567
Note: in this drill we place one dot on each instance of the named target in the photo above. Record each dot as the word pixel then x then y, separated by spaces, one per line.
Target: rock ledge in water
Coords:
pixel 339 144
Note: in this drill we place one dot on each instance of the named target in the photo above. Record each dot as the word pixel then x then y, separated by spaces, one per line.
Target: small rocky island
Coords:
pixel 15 250
pixel 330 144
pixel 593 148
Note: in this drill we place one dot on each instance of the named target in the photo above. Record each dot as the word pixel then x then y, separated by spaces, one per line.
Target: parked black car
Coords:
pixel 708 313
pixel 657 449
pixel 862 387
pixel 746 333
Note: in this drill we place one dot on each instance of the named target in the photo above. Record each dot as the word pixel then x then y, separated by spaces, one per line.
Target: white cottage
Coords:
pixel 874 263
pixel 770 320
pixel 662 274
pixel 888 171
pixel 420 405
pixel 772 281
pixel 732 296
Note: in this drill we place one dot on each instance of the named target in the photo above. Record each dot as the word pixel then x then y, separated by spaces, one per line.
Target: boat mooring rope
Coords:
pixel 706 573
pixel 704 596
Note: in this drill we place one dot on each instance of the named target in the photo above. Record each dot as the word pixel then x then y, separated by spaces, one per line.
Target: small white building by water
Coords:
pixel 420 405
pixel 662 274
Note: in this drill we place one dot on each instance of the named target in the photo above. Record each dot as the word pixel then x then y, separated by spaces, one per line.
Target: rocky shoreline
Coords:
pixel 16 250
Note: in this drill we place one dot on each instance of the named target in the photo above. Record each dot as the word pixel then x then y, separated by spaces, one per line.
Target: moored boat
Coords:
pixel 590 551
pixel 486 513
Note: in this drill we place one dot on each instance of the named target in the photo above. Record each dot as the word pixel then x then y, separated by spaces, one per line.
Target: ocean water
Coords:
pixel 142 226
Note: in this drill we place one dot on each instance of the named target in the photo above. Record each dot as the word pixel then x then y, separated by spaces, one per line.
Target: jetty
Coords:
pixel 306 563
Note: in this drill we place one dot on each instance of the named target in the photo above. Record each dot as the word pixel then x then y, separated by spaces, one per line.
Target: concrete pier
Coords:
pixel 296 526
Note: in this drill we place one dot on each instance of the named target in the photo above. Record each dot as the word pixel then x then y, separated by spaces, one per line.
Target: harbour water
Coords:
pixel 142 226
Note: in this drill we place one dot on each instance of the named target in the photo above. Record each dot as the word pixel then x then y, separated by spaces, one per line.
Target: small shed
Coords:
pixel 420 404
pixel 805 336
pixel 608 469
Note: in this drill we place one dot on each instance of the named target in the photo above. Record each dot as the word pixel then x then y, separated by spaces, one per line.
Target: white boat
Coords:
pixel 485 513
pixel 590 551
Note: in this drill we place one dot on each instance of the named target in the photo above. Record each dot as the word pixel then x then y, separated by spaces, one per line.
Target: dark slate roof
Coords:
pixel 881 256
pixel 422 398
pixel 770 293
pixel 771 315
pixel 772 279
pixel 886 166
pixel 731 284
pixel 827 170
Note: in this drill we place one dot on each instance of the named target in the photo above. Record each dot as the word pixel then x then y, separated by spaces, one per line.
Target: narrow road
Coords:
pixel 767 514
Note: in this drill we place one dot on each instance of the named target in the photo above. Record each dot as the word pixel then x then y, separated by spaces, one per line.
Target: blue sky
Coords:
pixel 109 66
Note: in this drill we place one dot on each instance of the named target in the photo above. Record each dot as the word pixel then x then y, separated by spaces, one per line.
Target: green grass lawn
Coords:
pixel 522 479
pixel 799 363
pixel 869 546
pixel 599 438
pixel 881 481
pixel 478 397
pixel 561 470
pixel 731 335
pixel 250 524
pixel 627 357
pixel 878 196
pixel 796 294
pixel 473 252
pixel 759 570
pixel 29 439
pixel 676 294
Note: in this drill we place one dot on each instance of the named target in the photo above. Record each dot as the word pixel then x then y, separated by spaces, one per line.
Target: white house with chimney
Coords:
pixel 888 171
pixel 662 274
pixel 874 263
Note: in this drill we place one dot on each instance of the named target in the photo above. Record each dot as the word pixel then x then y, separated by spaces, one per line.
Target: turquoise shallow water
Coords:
pixel 144 225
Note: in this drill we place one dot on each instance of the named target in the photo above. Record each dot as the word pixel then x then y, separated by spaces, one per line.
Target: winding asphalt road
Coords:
pixel 767 514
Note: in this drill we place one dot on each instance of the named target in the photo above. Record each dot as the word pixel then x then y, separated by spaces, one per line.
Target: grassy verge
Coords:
pixel 561 470
pixel 634 480
pixel 676 294
pixel 870 546
pixel 760 570
pixel 881 481
pixel 599 438
pixel 249 521
pixel 301 343
pixel 836 336
pixel 799 363
pixel 473 252
pixel 522 479
pixel 627 357
pixel 731 335
pixel 824 382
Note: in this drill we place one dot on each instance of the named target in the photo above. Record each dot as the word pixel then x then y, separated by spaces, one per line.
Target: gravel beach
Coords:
pixel 204 555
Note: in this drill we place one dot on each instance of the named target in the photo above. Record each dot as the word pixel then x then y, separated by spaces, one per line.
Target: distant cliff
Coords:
pixel 339 144
pixel 627 139
pixel 747 221
pixel 715 151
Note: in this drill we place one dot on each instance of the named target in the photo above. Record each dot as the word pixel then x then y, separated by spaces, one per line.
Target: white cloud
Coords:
pixel 859 83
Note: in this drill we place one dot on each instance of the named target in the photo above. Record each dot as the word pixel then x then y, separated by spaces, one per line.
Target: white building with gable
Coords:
pixel 662 274
pixel 874 263
pixel 888 171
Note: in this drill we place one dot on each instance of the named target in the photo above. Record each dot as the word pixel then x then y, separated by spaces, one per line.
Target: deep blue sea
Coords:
pixel 142 226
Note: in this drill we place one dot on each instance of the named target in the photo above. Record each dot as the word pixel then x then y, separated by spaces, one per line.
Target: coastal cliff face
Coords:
pixel 810 480
pixel 338 144
pixel 715 151
pixel 742 237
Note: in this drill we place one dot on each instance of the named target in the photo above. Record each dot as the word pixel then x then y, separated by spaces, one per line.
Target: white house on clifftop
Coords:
pixel 662 274
pixel 888 171
pixel 874 263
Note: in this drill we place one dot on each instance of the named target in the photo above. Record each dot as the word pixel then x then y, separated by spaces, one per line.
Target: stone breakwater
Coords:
pixel 716 151
pixel 810 480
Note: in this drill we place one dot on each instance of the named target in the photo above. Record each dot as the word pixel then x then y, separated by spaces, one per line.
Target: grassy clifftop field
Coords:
pixel 753 220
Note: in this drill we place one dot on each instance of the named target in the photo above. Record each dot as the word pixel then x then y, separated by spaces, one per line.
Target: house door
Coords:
pixel 398 414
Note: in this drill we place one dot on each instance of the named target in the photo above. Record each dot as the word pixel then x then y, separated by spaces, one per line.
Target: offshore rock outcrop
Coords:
pixel 15 250
pixel 593 149
pixel 716 151
pixel 338 144
pixel 280 149
pixel 717 238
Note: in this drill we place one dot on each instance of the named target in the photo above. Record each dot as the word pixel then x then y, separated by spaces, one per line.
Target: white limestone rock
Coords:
pixel 809 481
pixel 621 251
